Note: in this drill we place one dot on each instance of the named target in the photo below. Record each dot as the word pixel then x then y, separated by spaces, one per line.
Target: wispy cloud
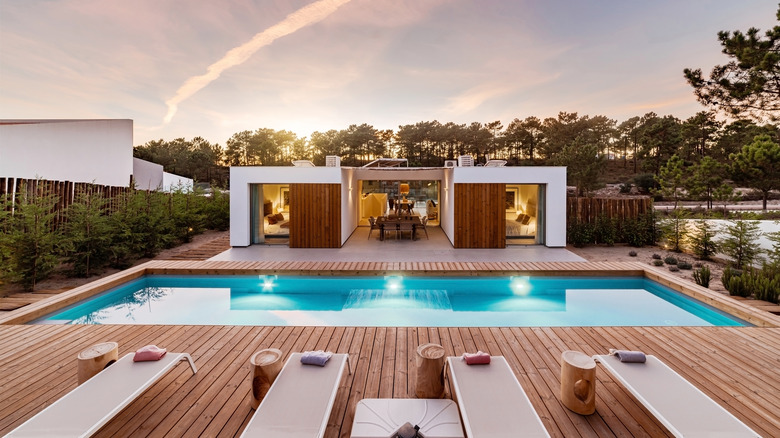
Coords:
pixel 301 18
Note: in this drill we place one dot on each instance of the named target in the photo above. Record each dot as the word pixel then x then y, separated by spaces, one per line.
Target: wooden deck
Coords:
pixel 737 367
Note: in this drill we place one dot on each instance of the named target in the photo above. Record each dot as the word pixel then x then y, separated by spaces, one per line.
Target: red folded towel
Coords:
pixel 149 352
pixel 478 358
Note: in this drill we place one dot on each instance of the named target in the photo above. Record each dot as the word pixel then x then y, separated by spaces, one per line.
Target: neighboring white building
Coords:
pixel 79 151
pixel 98 151
pixel 322 206
pixel 150 176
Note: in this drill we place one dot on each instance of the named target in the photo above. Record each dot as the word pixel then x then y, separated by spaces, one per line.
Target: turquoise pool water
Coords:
pixel 393 301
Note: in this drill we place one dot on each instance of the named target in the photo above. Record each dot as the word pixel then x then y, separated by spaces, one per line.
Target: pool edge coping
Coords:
pixel 717 300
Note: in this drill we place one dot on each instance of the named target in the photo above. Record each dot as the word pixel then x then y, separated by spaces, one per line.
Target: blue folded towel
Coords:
pixel 629 356
pixel 318 357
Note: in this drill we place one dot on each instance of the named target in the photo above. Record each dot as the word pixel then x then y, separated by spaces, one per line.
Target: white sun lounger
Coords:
pixel 92 404
pixel 299 402
pixel 674 401
pixel 492 403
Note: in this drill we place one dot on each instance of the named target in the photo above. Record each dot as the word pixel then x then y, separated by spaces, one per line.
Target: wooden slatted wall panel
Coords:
pixel 315 216
pixel 480 216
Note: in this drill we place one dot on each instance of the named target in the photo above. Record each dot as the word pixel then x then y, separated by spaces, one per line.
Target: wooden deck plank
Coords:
pixel 215 402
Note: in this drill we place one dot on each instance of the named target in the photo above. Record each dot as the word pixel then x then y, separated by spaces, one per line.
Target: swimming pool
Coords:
pixel 393 301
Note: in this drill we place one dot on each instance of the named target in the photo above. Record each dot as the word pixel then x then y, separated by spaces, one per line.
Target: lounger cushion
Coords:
pixel 300 400
pixel 492 402
pixel 681 407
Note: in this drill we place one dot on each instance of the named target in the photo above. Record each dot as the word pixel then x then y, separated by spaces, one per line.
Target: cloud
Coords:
pixel 301 18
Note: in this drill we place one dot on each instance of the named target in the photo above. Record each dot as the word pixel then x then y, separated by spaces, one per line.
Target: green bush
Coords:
pixel 658 262
pixel 670 260
pixel 645 182
pixel 684 265
pixel 579 233
pixel 656 256
pixel 740 242
pixel 673 268
pixel 632 253
pixel 702 239
pixel 605 230
pixel 702 276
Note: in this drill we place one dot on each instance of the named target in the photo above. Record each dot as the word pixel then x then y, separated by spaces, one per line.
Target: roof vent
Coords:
pixel 332 161
pixel 302 163
pixel 495 163
pixel 450 163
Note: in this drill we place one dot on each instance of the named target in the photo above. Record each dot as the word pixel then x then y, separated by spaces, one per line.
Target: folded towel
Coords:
pixel 406 431
pixel 149 352
pixel 318 357
pixel 478 358
pixel 628 355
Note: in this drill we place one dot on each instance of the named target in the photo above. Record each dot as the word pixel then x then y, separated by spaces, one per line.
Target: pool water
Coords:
pixel 393 301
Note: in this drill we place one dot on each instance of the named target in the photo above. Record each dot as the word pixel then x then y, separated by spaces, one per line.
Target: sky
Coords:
pixel 212 69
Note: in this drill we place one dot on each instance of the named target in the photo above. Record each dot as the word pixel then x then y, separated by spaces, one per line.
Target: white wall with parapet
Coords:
pixel 553 177
pixel 98 151
pixel 172 182
pixel 447 205
pixel 147 175
pixel 242 177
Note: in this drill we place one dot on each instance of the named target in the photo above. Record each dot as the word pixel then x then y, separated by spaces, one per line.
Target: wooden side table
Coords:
pixel 578 382
pixel 266 365
pixel 95 359
pixel 430 371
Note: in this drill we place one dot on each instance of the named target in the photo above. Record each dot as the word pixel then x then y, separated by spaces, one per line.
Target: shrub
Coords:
pixel 684 265
pixel 656 256
pixel 632 253
pixel 645 182
pixel 702 276
pixel 605 230
pixel 579 233
pixel 673 268
pixel 674 229
pixel 740 242
pixel 702 239
pixel 670 260
pixel 658 262
pixel 728 274
pixel 625 188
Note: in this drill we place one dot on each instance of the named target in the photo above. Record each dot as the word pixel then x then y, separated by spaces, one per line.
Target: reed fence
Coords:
pixel 66 193
pixel 587 210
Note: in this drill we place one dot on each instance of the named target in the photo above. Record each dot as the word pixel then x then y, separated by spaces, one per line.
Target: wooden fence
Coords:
pixel 587 210
pixel 66 193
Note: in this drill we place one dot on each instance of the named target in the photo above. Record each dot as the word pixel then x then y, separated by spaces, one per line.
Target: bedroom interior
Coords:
pixel 522 210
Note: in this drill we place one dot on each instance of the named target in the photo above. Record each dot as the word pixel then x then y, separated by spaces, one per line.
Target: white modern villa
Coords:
pixel 309 206
pixel 98 151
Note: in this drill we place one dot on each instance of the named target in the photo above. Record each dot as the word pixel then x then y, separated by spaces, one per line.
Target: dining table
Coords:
pixel 393 223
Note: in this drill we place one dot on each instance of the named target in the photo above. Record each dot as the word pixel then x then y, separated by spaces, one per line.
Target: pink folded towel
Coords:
pixel 478 358
pixel 629 356
pixel 318 357
pixel 149 352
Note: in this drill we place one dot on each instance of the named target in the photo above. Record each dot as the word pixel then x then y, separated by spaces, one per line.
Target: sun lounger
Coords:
pixel 675 402
pixel 492 403
pixel 87 408
pixel 299 402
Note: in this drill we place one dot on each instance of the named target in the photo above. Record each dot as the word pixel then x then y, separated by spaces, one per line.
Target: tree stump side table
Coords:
pixel 95 359
pixel 266 365
pixel 430 371
pixel 578 382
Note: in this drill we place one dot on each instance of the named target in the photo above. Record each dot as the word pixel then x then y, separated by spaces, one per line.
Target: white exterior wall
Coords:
pixel 242 177
pixel 98 151
pixel 447 205
pixel 350 197
pixel 147 175
pixel 171 181
pixel 555 201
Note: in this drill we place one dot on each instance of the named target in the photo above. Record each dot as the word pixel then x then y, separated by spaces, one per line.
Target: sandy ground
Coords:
pixel 620 253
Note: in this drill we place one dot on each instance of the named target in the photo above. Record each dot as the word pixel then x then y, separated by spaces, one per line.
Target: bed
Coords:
pixel 277 224
pixel 521 226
